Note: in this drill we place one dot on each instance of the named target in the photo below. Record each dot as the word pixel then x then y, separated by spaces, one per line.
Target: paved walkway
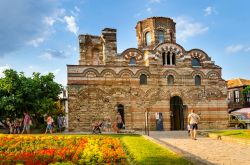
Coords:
pixel 204 150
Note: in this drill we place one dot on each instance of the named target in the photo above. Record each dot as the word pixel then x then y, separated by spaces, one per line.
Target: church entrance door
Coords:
pixel 176 113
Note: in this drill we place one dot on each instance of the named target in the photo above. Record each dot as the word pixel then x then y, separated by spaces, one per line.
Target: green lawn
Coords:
pixel 143 151
pixel 234 133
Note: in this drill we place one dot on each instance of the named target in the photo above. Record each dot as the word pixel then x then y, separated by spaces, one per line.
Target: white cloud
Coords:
pixel 51 54
pixel 71 24
pixel 209 10
pixel 234 48
pixel 77 9
pixel 3 68
pixel 23 23
pixel 46 56
pixel 187 28
pixel 49 21
pixel 75 12
pixel 149 9
pixel 31 23
pixel 36 42
pixel 59 14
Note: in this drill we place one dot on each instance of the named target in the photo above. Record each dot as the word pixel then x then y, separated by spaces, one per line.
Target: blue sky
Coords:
pixel 42 36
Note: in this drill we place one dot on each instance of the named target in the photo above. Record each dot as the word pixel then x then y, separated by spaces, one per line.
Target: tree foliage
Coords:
pixel 246 90
pixel 245 93
pixel 36 95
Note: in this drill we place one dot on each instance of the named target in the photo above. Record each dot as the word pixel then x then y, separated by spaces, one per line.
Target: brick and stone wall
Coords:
pixel 103 80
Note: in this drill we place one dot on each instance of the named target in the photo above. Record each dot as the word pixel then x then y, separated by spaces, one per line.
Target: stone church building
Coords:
pixel 153 85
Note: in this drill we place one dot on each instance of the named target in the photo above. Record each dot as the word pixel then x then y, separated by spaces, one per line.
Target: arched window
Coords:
pixel 160 36
pixel 163 58
pixel 143 79
pixel 173 59
pixel 196 62
pixel 148 38
pixel 168 58
pixel 132 61
pixel 197 80
pixel 170 80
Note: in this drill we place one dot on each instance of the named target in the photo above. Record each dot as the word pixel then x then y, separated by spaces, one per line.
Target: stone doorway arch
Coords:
pixel 177 114
pixel 120 109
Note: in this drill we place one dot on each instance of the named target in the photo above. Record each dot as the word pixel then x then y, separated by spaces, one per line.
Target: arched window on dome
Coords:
pixel 163 58
pixel 132 61
pixel 195 62
pixel 143 79
pixel 170 80
pixel 173 59
pixel 168 58
pixel 148 38
pixel 160 36
pixel 197 80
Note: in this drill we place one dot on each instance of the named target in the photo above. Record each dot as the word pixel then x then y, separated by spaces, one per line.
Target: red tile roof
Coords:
pixel 239 82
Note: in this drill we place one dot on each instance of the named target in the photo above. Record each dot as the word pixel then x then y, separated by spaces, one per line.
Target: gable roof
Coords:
pixel 239 82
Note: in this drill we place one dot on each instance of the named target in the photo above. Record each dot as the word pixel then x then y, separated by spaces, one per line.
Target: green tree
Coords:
pixel 245 92
pixel 36 95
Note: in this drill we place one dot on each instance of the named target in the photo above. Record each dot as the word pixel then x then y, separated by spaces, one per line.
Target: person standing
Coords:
pixel 193 120
pixel 9 123
pixel 107 124
pixel 49 124
pixel 119 122
pixel 17 126
pixel 60 121
pixel 26 123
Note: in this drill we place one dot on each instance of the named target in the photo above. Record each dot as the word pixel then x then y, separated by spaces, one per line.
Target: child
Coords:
pixel 97 127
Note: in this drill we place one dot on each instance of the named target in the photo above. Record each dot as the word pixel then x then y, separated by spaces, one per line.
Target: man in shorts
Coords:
pixel 193 120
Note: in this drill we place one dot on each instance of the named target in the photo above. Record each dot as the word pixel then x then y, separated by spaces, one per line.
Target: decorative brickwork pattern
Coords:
pixel 104 79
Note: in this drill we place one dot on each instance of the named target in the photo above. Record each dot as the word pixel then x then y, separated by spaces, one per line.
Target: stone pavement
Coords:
pixel 204 150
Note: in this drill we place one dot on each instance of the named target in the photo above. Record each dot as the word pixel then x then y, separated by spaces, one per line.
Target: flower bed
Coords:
pixel 41 149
